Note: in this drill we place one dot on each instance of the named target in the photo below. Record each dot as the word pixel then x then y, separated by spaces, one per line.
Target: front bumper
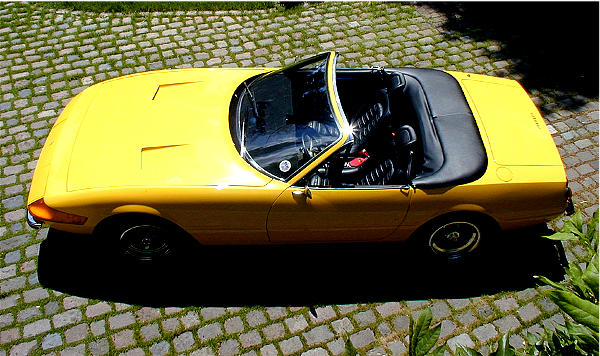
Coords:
pixel 31 221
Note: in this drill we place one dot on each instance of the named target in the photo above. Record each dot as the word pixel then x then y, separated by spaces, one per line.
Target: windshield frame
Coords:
pixel 334 106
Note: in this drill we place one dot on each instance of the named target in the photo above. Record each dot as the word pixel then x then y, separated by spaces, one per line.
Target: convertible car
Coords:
pixel 309 153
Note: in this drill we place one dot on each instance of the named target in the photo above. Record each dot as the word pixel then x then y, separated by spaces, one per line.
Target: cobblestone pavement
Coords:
pixel 47 56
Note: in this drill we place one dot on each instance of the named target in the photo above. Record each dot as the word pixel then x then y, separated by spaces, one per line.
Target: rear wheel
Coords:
pixel 456 237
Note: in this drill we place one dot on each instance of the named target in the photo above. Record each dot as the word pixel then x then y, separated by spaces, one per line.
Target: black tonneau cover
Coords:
pixel 453 150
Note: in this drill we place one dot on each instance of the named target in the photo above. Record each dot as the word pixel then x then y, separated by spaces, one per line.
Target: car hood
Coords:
pixel 160 128
pixel 516 131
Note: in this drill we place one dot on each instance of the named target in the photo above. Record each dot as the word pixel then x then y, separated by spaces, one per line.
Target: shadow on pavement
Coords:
pixel 295 275
pixel 554 45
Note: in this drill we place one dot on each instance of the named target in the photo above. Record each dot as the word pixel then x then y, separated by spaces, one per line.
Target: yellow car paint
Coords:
pixel 182 165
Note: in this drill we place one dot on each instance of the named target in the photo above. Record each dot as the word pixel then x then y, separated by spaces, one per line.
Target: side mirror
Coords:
pixel 302 193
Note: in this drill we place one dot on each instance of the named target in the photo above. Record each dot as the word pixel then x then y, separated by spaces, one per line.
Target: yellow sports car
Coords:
pixel 307 153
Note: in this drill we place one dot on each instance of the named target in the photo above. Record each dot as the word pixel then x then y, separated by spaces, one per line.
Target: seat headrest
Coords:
pixel 407 135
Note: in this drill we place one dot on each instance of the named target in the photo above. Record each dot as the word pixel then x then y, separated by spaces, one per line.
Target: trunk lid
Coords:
pixel 514 127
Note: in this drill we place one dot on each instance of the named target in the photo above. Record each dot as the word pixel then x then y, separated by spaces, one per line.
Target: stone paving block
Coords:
pixel 234 325
pixel 121 320
pixel 506 304
pixel 10 335
pixel 529 312
pixel 98 327
pixel 123 339
pixel 147 314
pixel 255 318
pixel 273 331
pixel 229 347
pixel 66 318
pixel 460 340
pixel 296 323
pixel 251 338
pixel 342 326
pixel 507 323
pixel 160 348
pixel 170 324
pixel 23 348
pixel 205 351
pixel 276 313
pixel 51 341
pixel 318 335
pixel 71 302
pixel 323 314
pixel 364 318
pixel 388 309
pixel 362 338
pixel 485 333
pixel 212 313
pixel 319 351
pixel 401 323
pixel 209 332
pixel 97 309
pixel 268 350
pixel 190 319
pixel 485 311
pixel 291 345
pixel 184 342
pixel 29 313
pixel 76 333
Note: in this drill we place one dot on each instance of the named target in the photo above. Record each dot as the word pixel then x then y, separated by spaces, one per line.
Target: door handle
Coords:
pixel 302 193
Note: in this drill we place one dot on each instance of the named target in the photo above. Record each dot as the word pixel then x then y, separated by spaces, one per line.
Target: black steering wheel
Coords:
pixel 309 144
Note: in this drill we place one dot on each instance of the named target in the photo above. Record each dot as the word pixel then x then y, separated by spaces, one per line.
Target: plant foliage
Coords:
pixel 504 349
pixel 578 297
pixel 423 337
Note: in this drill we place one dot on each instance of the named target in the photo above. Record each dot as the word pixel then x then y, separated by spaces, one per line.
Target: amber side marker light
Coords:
pixel 43 212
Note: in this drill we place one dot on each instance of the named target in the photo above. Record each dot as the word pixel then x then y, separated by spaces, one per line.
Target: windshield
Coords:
pixel 286 118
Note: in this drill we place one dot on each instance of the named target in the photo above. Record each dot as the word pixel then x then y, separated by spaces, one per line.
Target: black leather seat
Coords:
pixel 368 119
pixel 380 174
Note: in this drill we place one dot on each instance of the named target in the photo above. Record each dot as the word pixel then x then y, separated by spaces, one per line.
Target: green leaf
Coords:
pixel 574 225
pixel 582 311
pixel 578 284
pixel 504 348
pixel 562 236
pixel 551 283
pixel 466 351
pixel 590 276
pixel 586 338
pixel 427 341
pixel 439 351
pixel 592 230
pixel 412 344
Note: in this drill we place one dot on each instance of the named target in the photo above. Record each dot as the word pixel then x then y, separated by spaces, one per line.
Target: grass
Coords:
pixel 156 6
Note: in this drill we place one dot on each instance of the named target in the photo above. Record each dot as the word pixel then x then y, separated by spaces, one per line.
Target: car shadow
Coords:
pixel 300 275
pixel 553 46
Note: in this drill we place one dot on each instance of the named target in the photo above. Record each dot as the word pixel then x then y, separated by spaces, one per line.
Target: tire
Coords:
pixel 145 240
pixel 455 237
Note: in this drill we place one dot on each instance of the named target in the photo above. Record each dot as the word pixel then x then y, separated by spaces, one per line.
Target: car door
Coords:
pixel 360 213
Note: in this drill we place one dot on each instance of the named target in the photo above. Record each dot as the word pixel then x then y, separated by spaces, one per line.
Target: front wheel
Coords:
pixel 144 239
pixel 146 242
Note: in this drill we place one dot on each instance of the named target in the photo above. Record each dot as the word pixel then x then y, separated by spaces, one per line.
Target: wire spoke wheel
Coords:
pixel 455 239
pixel 145 242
